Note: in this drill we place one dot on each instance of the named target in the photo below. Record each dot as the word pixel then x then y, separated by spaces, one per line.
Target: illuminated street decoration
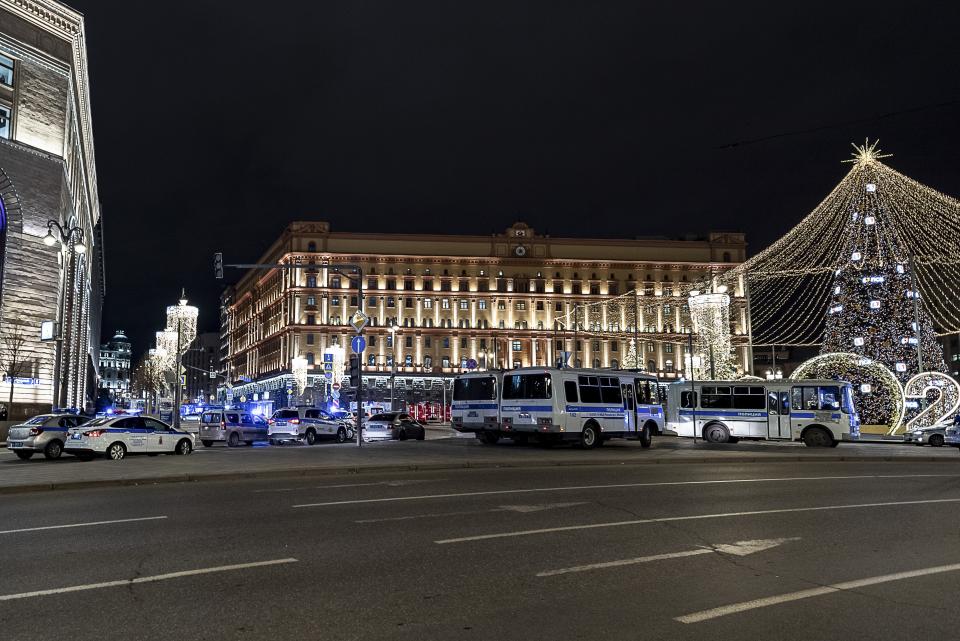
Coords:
pixel 298 367
pixel 712 350
pixel 941 393
pixel 878 237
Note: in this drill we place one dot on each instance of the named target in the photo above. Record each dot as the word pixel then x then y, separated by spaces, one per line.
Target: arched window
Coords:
pixel 615 364
pixel 311 246
pixel 310 358
pixel 596 363
pixel 651 366
pixel 668 366
pixel 372 360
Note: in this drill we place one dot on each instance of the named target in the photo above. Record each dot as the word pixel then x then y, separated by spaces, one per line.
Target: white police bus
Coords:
pixel 817 412
pixel 476 405
pixel 588 406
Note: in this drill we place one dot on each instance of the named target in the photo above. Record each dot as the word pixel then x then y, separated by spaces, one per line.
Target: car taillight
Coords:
pixel 223 425
pixel 34 431
pixel 94 433
pixel 270 421
pixel 295 421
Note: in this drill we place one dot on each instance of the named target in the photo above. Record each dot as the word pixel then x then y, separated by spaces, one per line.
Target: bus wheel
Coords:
pixel 589 436
pixel 817 437
pixel 489 438
pixel 645 439
pixel 716 433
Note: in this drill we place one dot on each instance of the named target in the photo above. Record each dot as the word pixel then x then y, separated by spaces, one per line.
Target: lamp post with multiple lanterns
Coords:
pixel 65 237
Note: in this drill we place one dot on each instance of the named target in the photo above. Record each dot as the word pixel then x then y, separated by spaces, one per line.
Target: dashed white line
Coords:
pixel 144 579
pixel 91 523
pixel 705 615
pixel 667 519
pixel 570 488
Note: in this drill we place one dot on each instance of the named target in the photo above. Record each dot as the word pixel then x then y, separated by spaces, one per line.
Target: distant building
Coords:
pixel 115 367
pixel 48 183
pixel 202 358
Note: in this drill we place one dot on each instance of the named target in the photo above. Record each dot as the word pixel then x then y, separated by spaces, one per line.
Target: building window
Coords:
pixel 310 358
pixel 335 301
pixel 6 71
pixel 408 360
pixel 428 303
pixel 517 346
pixel 372 341
pixel 371 360
pixel 311 281
pixel 464 303
pixel 335 282
pixel 445 303
pixel 353 301
pixel 614 346
pixel 539 305
pixel 408 341
pixel 408 303
pixel 390 340
pixel 481 304
pixel 391 301
pixel 371 283
pixel 463 342
pixel 311 300
pixel 5 131
pixel 426 342
pixel 446 342
pixel 668 348
pixel 501 305
pixel 310 339
pixel 558 307
pixel 311 319
pixel 521 305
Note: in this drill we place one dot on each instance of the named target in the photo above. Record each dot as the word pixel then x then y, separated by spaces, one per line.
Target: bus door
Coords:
pixel 629 409
pixel 778 414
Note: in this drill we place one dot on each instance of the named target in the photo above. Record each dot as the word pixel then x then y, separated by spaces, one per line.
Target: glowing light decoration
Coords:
pixel 710 316
pixel 941 393
pixel 912 244
pixel 858 341
pixel 874 304
pixel 869 220
pixel 880 404
pixel 298 367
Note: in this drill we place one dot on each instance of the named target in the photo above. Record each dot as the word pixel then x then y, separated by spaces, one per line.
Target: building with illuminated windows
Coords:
pixel 441 304
pixel 51 242
pixel 115 368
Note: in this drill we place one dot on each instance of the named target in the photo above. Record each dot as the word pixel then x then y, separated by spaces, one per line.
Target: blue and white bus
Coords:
pixel 820 413
pixel 587 406
pixel 475 406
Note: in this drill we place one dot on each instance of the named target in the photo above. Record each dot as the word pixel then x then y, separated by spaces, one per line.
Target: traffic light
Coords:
pixel 354 370
pixel 218 265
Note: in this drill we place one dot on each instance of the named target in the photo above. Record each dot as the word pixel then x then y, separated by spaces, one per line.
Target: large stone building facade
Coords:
pixel 48 173
pixel 439 304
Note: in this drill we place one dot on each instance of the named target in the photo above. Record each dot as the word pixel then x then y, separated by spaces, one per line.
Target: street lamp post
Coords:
pixel 393 369
pixel 64 237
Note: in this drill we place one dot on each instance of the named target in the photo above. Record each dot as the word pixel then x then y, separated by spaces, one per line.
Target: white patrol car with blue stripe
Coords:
pixel 817 412
pixel 475 407
pixel 584 405
pixel 117 436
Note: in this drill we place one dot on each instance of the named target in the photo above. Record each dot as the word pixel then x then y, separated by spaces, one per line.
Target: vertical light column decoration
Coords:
pixel 298 367
pixel 710 317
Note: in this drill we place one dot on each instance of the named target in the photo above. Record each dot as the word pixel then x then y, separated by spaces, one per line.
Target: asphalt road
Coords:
pixel 787 551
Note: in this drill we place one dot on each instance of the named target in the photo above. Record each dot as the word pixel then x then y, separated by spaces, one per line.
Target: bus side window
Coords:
pixel 773 402
pixel 570 390
pixel 688 399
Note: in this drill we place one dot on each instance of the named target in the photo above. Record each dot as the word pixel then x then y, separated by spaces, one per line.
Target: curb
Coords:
pixel 344 470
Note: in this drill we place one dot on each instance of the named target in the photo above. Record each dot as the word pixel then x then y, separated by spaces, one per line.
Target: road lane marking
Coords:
pixel 145 579
pixel 694 517
pixel 705 615
pixel 569 488
pixel 740 548
pixel 520 509
pixel 68 525
pixel 398 483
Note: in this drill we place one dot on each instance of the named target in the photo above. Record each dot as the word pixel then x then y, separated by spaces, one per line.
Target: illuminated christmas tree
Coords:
pixel 875 309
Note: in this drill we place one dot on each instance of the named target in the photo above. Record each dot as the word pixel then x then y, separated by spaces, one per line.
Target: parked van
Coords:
pixel 232 427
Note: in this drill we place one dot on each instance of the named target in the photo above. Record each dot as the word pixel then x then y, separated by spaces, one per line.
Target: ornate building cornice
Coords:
pixel 51 16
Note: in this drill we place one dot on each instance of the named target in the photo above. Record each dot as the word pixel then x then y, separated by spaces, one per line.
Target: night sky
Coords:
pixel 216 123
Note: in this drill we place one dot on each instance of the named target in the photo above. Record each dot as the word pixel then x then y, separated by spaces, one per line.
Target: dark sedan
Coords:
pixel 392 426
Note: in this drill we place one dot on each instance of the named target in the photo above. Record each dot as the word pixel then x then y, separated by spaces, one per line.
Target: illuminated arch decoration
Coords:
pixel 877 392
pixel 938 409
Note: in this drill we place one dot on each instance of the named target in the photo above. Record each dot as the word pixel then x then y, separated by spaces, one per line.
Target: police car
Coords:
pixel 117 436
pixel 306 424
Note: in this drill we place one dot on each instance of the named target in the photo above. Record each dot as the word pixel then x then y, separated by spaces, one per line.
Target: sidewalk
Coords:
pixel 221 463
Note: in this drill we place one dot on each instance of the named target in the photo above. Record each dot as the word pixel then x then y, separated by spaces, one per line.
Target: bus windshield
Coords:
pixel 475 389
pixel 527 386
